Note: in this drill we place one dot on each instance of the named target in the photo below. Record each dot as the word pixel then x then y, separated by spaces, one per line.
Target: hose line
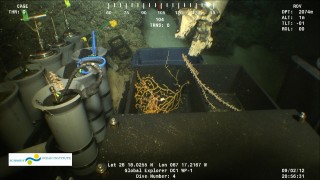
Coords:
pixel 88 91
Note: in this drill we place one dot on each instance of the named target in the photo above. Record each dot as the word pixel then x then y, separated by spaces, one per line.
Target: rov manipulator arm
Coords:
pixel 202 16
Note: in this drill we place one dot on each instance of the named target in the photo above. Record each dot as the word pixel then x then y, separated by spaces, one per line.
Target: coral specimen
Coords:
pixel 154 98
pixel 205 89
pixel 56 81
pixel 55 84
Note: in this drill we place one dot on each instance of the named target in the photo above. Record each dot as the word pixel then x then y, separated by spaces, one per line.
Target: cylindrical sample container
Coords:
pixel 69 124
pixel 29 83
pixel 15 126
pixel 104 89
pixel 92 105
pixel 85 52
pixel 106 99
pixel 96 118
pixel 67 120
pixel 74 37
pixel 84 158
pixel 66 49
pixel 50 60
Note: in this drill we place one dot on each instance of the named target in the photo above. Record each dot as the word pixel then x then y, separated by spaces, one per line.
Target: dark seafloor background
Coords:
pixel 244 23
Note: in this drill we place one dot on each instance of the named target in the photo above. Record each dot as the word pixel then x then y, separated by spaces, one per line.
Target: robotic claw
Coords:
pixel 203 15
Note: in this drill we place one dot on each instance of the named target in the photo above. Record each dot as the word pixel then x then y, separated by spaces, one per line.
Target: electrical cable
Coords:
pixel 89 91
pixel 95 59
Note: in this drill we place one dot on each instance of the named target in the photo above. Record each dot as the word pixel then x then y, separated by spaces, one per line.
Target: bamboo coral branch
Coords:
pixel 205 88
pixel 55 80
pixel 55 84
pixel 167 67
pixel 52 89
